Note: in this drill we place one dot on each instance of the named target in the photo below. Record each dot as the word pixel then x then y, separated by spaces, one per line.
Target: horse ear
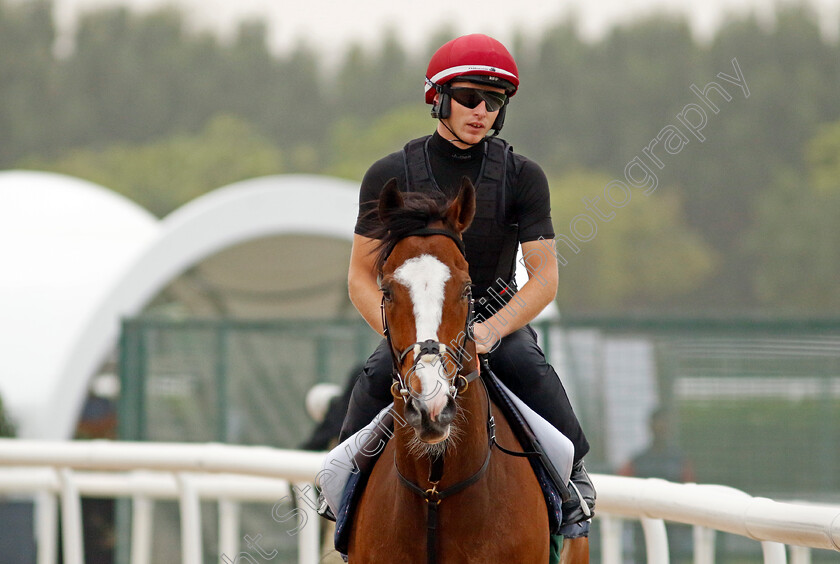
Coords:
pixel 390 199
pixel 462 209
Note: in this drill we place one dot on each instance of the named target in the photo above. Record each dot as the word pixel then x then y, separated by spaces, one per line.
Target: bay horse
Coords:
pixel 440 492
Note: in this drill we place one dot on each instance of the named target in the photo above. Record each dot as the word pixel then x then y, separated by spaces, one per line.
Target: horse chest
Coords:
pixel 484 523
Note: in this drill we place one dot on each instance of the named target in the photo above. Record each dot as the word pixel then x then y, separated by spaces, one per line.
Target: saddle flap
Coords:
pixel 552 469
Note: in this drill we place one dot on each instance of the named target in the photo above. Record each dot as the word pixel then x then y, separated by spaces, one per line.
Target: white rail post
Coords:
pixel 774 552
pixel 611 542
pixel 190 506
pixel 229 518
pixel 46 527
pixel 309 537
pixel 656 540
pixel 141 529
pixel 71 519
pixel 800 555
pixel 704 545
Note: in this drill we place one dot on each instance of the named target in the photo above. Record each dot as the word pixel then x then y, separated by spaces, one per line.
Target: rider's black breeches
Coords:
pixel 517 361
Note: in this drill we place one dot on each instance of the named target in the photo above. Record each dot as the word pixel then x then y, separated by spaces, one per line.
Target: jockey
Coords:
pixel 469 82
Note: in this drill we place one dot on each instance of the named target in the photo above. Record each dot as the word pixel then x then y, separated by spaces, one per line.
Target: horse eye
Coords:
pixel 386 293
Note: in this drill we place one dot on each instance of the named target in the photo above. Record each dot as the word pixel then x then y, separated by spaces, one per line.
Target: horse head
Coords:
pixel 426 304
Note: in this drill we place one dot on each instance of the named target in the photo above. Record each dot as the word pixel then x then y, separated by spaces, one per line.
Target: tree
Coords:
pixel 640 255
pixel 135 80
pixel 127 79
pixel 757 143
pixel 164 175
pixel 357 144
pixel 27 86
pixel 795 238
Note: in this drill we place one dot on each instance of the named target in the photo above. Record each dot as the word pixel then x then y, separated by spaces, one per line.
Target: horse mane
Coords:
pixel 420 210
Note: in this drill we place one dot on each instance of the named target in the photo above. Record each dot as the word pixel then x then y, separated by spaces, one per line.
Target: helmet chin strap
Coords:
pixel 495 132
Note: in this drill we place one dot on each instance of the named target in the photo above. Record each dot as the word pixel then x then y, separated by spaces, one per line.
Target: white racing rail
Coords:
pixel 711 508
pixel 143 472
pixel 229 474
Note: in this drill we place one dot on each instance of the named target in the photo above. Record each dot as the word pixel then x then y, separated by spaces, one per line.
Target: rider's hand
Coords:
pixel 485 338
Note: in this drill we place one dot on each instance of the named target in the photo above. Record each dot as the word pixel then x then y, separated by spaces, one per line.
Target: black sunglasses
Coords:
pixel 472 97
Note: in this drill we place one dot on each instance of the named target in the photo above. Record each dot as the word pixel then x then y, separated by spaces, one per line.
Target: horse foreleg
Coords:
pixel 575 551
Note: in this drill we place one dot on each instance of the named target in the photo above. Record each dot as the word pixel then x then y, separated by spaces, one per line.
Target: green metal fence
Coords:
pixel 232 381
pixel 750 403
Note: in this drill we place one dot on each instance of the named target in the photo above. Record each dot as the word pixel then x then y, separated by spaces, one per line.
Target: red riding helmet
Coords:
pixel 476 58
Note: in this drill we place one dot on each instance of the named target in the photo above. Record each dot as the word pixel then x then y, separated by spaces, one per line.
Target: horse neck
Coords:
pixel 464 456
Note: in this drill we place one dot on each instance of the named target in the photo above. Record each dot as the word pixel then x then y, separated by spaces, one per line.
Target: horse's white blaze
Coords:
pixel 425 277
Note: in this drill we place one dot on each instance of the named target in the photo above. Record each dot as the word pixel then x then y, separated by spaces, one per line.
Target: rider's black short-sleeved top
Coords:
pixel 527 201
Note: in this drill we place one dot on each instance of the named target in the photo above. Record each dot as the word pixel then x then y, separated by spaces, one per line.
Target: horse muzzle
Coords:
pixel 430 429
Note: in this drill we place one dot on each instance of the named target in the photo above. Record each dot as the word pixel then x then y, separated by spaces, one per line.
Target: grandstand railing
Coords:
pixel 59 474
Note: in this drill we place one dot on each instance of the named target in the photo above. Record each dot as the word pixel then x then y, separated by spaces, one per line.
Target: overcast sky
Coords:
pixel 330 24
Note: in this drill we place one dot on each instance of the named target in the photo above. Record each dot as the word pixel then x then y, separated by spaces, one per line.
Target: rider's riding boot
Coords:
pixel 324 509
pixel 582 504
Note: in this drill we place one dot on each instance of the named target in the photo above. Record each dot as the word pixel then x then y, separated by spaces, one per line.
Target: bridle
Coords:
pixel 434 348
pixel 430 346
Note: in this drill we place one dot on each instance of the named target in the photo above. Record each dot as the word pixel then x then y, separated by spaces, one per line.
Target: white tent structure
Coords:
pixel 77 258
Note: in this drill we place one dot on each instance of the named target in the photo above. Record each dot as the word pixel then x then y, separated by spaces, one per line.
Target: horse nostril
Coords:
pixel 448 414
pixel 412 413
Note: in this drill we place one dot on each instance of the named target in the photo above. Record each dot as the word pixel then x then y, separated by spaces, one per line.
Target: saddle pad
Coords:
pixel 346 469
pixel 343 519
pixel 548 472
pixel 355 455
pixel 559 450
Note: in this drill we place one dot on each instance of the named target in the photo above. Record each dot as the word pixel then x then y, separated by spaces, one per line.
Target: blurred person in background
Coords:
pixel 662 458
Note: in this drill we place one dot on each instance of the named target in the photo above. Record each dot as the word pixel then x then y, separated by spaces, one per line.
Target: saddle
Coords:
pixel 347 467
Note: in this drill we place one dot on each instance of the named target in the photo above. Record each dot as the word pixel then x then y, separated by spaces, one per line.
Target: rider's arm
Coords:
pixel 540 260
pixel 361 278
pixel 533 207
pixel 361 281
